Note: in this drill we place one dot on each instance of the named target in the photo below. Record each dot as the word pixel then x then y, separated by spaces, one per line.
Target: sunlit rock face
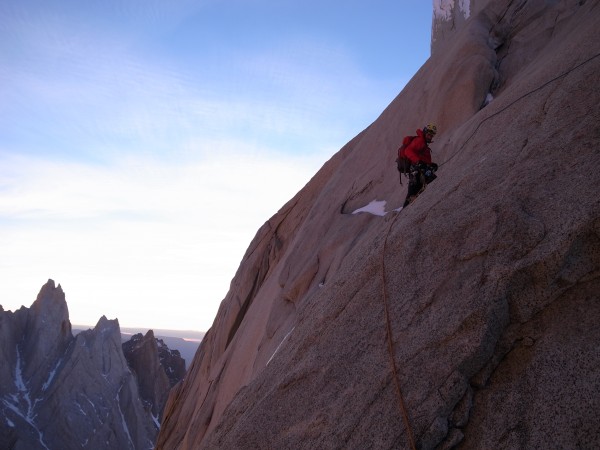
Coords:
pixel 63 392
pixel 491 277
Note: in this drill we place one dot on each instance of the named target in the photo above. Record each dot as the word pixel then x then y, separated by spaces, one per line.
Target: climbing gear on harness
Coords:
pixel 420 176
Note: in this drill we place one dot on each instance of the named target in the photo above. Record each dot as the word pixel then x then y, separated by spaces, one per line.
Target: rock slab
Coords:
pixel 491 277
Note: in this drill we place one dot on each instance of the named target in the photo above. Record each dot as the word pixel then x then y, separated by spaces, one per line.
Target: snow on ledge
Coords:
pixel 465 7
pixel 488 99
pixel 280 344
pixel 376 207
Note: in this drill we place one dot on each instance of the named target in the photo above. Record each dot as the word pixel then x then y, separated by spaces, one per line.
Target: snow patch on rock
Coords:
pixel 443 9
pixel 376 207
pixel 465 7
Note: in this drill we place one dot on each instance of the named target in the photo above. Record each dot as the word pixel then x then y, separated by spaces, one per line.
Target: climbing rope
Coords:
pixel 390 340
pixel 562 75
pixel 401 403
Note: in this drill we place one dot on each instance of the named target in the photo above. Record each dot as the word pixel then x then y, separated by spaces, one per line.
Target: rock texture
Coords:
pixel 491 277
pixel 156 367
pixel 172 362
pixel 62 392
pixel 449 16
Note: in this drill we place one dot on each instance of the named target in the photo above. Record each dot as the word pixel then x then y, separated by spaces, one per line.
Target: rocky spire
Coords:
pixel 60 391
pixel 47 332
pixel 142 356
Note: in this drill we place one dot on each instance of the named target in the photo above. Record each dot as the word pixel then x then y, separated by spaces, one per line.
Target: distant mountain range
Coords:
pixel 95 388
pixel 186 341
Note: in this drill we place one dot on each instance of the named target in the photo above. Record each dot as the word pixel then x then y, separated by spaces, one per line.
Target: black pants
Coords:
pixel 416 183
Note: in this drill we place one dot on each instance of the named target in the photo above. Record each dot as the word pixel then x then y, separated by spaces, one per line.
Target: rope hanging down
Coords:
pixel 401 403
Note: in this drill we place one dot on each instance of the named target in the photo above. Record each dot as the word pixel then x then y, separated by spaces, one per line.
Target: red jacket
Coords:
pixel 418 150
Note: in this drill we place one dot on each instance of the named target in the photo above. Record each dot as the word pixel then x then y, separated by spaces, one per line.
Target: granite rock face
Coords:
pixel 172 362
pixel 491 277
pixel 63 392
pixel 156 367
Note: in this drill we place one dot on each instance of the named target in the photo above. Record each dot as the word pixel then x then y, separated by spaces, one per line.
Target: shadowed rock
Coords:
pixel 157 369
pixel 58 391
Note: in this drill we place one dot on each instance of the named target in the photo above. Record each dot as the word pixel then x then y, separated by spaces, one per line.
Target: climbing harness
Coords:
pixel 424 176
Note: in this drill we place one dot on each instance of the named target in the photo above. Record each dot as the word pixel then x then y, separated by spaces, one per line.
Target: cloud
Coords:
pixel 135 173
pixel 89 92
pixel 139 232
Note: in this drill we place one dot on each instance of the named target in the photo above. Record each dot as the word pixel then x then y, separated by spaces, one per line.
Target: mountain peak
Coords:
pixel 45 369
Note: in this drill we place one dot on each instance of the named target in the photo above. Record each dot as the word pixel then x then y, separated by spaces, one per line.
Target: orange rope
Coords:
pixel 402 405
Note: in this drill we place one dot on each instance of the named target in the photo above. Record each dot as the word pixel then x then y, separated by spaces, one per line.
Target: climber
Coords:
pixel 418 155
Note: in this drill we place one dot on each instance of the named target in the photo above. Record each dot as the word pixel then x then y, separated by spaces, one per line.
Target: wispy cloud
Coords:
pixel 140 231
pixel 137 176
pixel 89 91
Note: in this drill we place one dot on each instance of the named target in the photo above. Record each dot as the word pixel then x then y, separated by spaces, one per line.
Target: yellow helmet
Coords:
pixel 430 128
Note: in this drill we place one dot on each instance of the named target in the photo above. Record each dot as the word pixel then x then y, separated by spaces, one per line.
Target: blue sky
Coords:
pixel 142 143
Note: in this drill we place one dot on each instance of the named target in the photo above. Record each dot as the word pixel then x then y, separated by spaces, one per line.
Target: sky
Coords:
pixel 143 143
